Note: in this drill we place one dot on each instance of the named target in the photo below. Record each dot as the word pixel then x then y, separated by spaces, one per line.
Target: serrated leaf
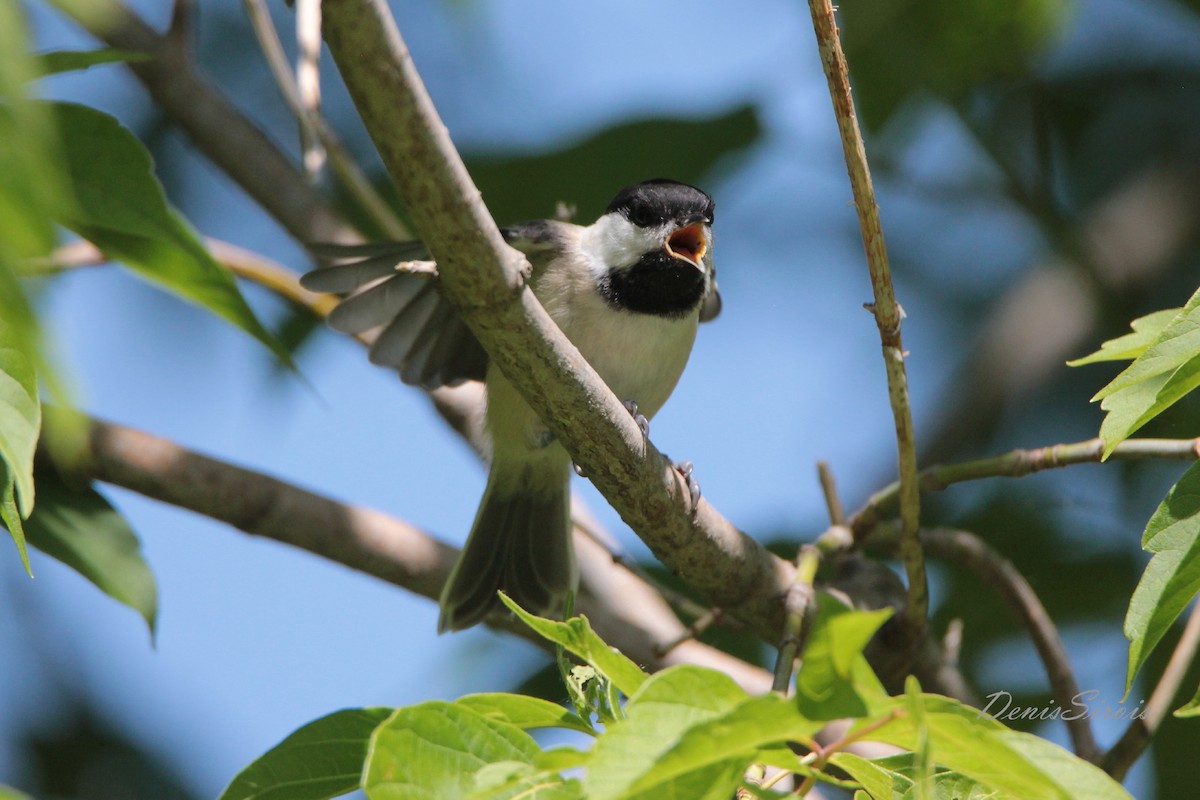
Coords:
pixel 1176 344
pixel 524 711
pixel 1014 765
pixel 121 208
pixel 433 750
pixel 1164 372
pixel 57 61
pixel 657 716
pixel 508 780
pixel 77 526
pixel 834 680
pixel 576 636
pixel 1128 347
pixel 1172 578
pixel 316 761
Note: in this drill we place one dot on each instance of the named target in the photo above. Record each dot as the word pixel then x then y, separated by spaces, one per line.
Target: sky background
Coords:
pixel 255 638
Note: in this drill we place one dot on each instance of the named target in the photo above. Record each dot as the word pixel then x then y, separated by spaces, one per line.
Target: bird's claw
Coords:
pixel 642 423
pixel 685 469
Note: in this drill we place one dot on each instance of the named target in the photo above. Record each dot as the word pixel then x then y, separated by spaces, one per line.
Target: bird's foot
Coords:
pixel 642 423
pixel 684 468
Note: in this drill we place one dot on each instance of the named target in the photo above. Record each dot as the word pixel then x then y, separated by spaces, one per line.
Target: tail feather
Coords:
pixel 520 544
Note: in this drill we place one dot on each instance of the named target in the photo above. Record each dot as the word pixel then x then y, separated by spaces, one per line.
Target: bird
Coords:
pixel 628 290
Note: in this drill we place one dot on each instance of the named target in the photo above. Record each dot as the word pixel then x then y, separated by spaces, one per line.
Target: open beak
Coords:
pixel 688 242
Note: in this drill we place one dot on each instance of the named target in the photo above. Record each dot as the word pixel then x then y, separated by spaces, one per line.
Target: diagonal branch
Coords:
pixel 485 280
pixel 622 608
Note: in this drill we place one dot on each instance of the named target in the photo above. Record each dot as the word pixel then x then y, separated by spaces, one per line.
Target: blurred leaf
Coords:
pixel 944 47
pixel 11 517
pixel 513 779
pixel 577 637
pixel 9 793
pixel 122 210
pixel 1015 765
pixel 1146 330
pixel 77 526
pixel 1192 708
pixel 71 60
pixel 524 712
pixel 589 173
pixel 658 715
pixel 1172 578
pixel 1164 372
pixel 433 750
pixel 834 679
pixel 316 761
pixel 20 411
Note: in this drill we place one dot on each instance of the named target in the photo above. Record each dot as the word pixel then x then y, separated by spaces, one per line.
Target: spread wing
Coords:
pixel 392 288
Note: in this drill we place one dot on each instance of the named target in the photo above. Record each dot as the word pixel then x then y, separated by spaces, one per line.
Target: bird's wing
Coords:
pixel 420 335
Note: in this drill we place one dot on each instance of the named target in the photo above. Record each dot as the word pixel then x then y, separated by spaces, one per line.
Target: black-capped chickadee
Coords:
pixel 627 290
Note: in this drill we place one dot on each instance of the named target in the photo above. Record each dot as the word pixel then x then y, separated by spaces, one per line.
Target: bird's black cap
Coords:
pixel 661 201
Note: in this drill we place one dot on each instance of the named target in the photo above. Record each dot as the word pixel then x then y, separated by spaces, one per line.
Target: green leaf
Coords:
pixel 122 210
pixel 319 760
pixel 834 680
pixel 1192 708
pixel 1017 766
pixel 577 636
pixel 922 772
pixel 1128 347
pixel 9 793
pixel 433 751
pixel 70 60
pixel 524 712
pixel 20 412
pixel 658 716
pixel 723 745
pixel 1172 578
pixel 1166 370
pixel 11 517
pixel 77 526
pixel 877 781
pixel 513 779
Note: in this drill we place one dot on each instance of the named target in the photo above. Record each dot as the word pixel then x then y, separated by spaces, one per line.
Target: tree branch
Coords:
pixel 485 280
pixel 1017 464
pixel 973 553
pixel 886 310
pixel 1137 736
pixel 626 612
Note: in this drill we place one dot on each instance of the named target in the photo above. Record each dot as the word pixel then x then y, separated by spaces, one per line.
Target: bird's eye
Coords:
pixel 640 216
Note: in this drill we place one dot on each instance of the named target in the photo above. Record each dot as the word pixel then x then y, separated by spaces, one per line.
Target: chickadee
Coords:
pixel 627 290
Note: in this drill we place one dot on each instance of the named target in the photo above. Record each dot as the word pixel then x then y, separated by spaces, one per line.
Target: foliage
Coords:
pixel 684 732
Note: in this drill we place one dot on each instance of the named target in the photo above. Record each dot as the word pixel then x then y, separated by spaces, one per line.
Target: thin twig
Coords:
pixel 974 554
pixel 355 181
pixel 308 85
pixel 220 131
pixel 885 309
pixel 833 503
pixel 1016 464
pixel 1121 756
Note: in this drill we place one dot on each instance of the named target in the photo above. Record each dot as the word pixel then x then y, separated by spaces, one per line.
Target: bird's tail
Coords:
pixel 520 543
